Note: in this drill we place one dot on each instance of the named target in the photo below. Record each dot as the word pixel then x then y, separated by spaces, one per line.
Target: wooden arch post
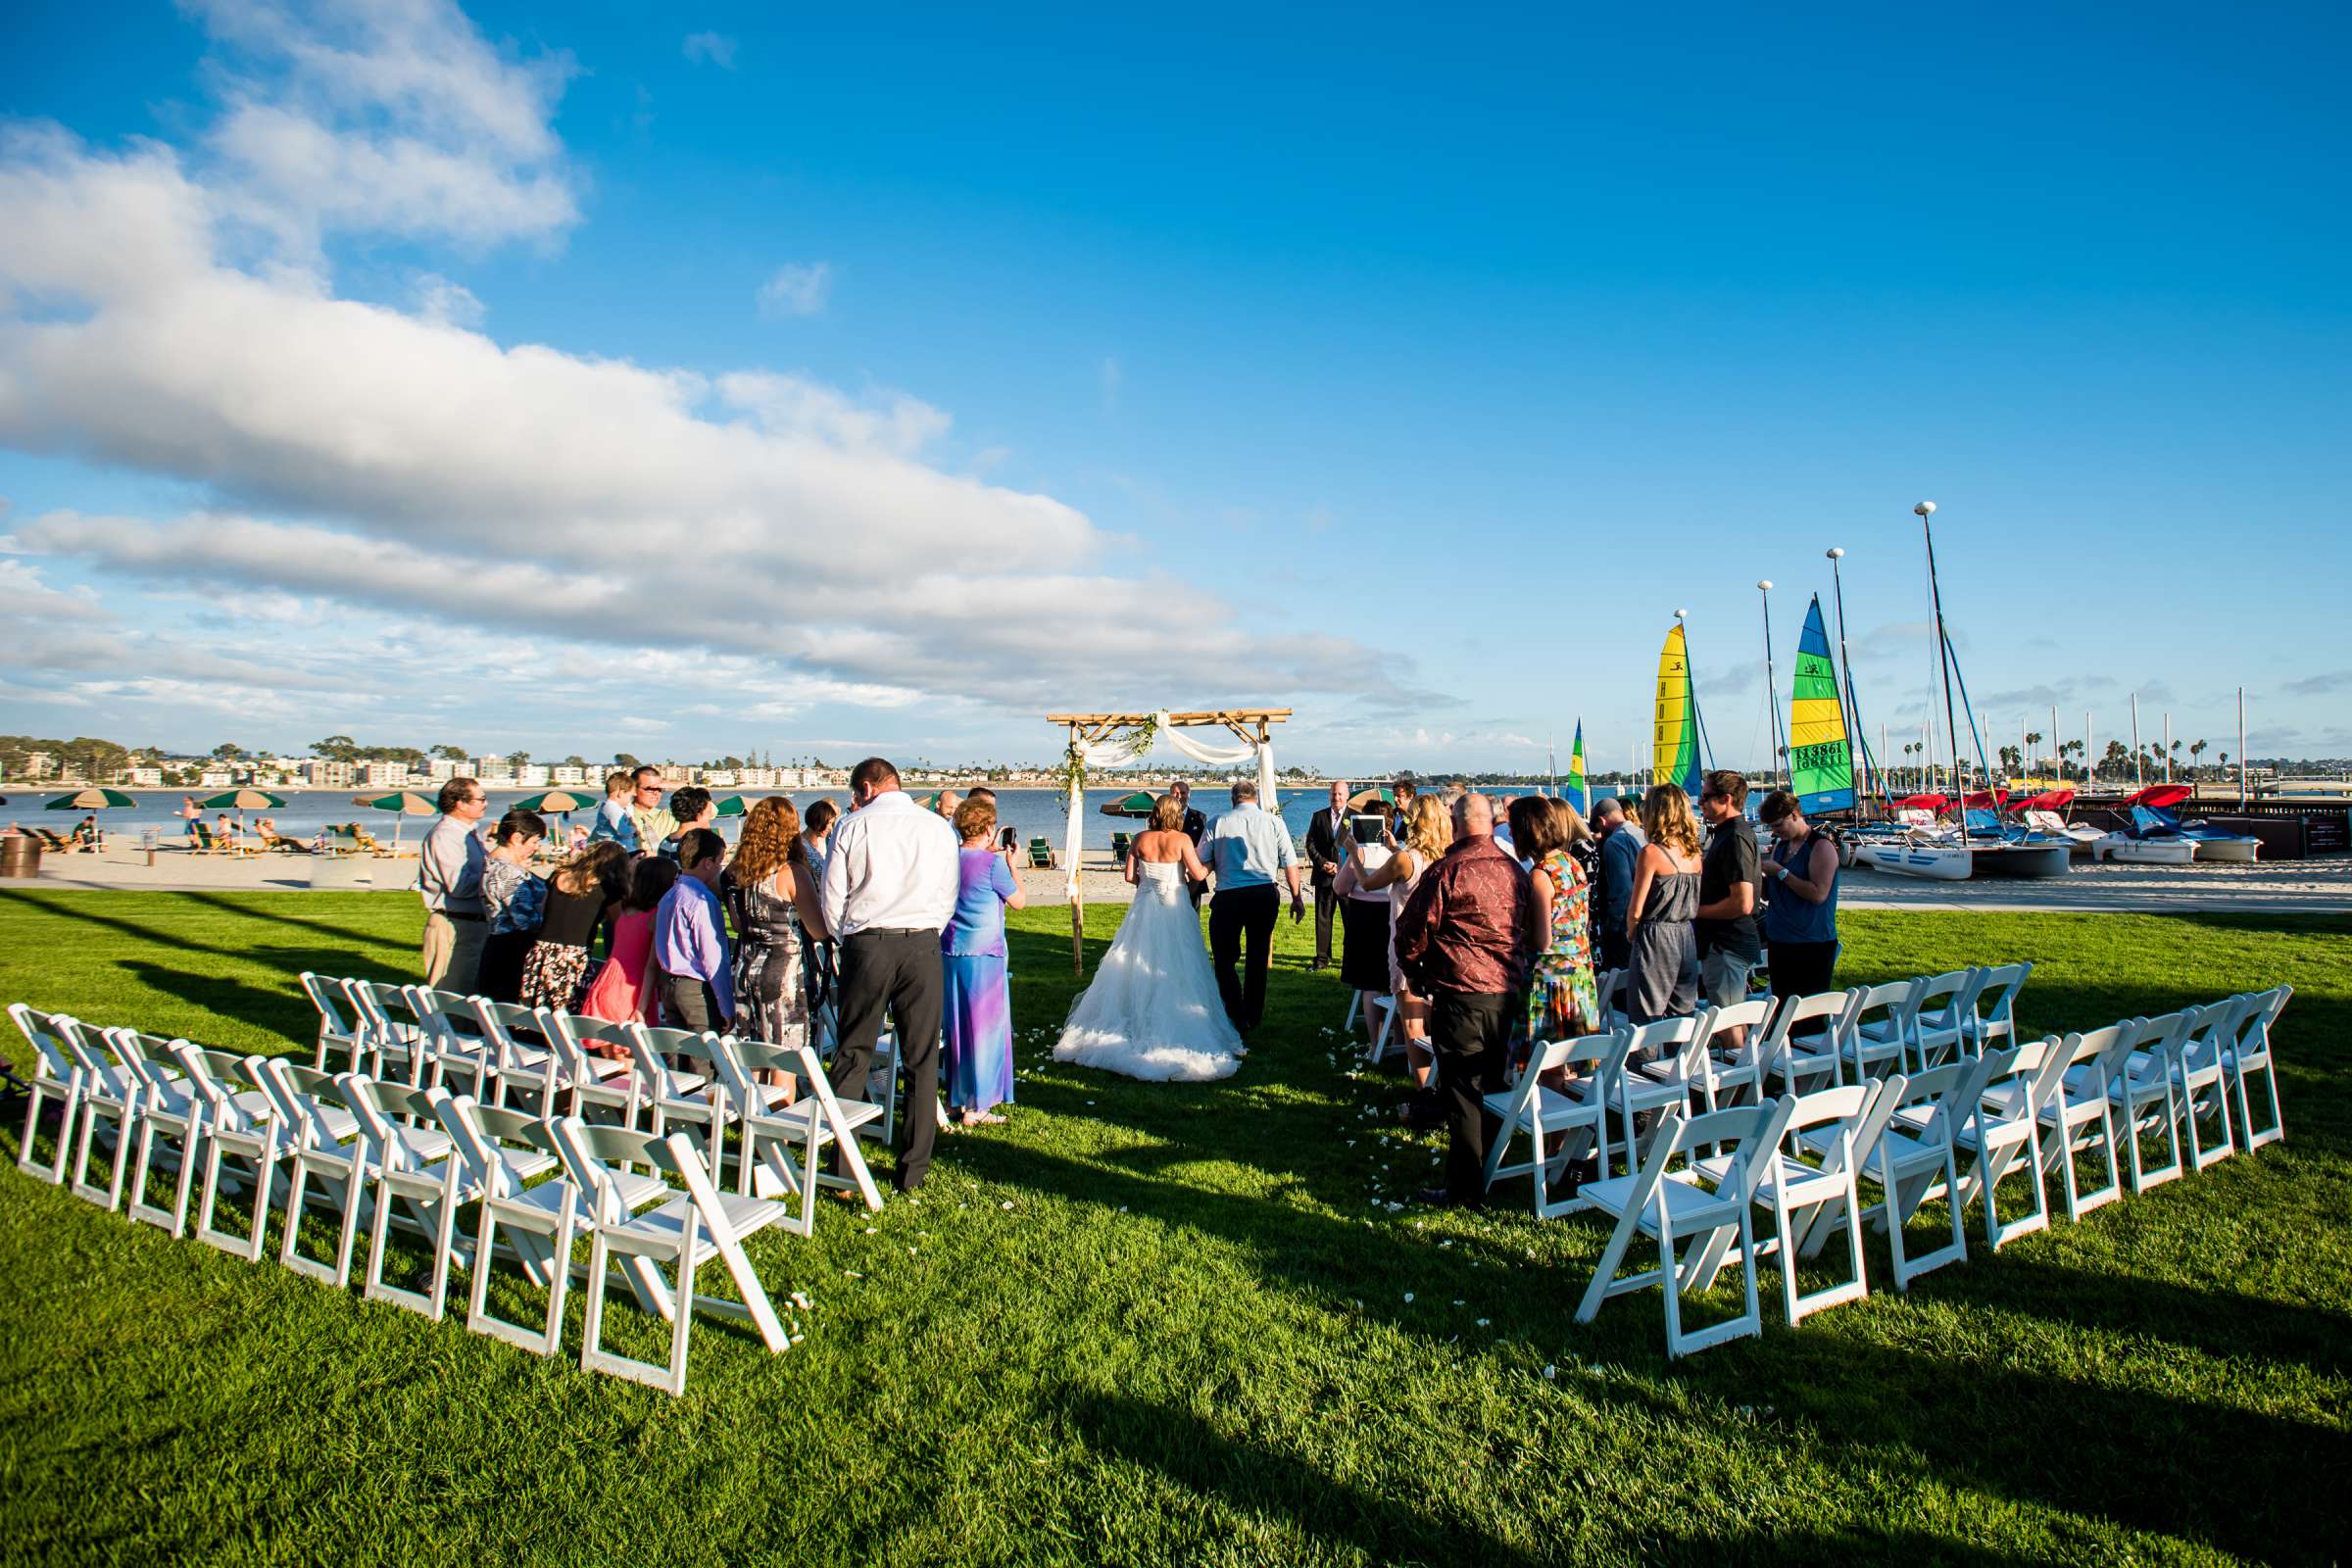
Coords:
pixel 1251 725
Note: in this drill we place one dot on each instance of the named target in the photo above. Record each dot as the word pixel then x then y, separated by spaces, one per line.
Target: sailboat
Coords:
pixel 1821 758
pixel 1580 793
pixel 1674 740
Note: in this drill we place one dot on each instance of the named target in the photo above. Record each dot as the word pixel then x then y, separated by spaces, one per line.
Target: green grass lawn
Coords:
pixel 1149 1323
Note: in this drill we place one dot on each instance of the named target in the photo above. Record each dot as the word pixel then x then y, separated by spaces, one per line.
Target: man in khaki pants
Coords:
pixel 449 875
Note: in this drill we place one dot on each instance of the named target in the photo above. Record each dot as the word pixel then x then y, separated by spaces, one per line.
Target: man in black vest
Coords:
pixel 1323 856
pixel 1195 828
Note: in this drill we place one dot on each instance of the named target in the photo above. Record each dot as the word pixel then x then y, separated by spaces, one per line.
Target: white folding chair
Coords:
pixel 2249 1055
pixel 1810 1204
pixel 1686 1216
pixel 684 1233
pixel 810 1121
pixel 2078 1116
pixel 450 1044
pixel 597 1080
pixel 1991 1016
pixel 693 1096
pixel 1941 1020
pixel 241 1122
pixel 54 1072
pixel 329 1167
pixel 2200 1077
pixel 2138 1077
pixel 1733 1075
pixel 1651 1075
pixel 336 1031
pixel 109 1090
pixel 2001 1133
pixel 1816 1058
pixel 1540 1111
pixel 1915 1159
pixel 521 1060
pixel 1610 985
pixel 1384 1004
pixel 500 1151
pixel 1879 1035
pixel 417 1171
pixel 390 1037
pixel 168 1109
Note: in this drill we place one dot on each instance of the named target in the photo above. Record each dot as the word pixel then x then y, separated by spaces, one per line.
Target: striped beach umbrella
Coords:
pixel 90 799
pixel 406 802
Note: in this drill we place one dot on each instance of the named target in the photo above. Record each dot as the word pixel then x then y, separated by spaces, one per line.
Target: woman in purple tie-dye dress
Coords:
pixel 978 1035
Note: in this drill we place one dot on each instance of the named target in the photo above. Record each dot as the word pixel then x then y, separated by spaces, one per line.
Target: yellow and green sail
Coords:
pixel 1674 745
pixel 1821 760
pixel 1579 793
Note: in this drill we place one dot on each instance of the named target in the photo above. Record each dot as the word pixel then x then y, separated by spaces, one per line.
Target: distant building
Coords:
pixel 567 773
pixel 674 775
pixel 382 775
pixel 531 776
pixel 216 778
pixel 719 778
pixel 325 773
pixel 758 778
pixel 144 778
pixel 39 764
pixel 441 769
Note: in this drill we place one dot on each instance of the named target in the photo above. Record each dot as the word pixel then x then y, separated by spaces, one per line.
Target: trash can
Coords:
pixel 20 854
pixel 150 841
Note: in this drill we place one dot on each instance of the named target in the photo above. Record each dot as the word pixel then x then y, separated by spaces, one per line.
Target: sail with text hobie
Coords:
pixel 1674 745
pixel 1821 759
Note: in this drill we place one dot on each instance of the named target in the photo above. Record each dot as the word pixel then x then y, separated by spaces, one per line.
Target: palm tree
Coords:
pixel 2033 738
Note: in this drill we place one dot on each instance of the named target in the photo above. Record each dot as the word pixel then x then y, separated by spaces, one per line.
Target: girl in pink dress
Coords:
pixel 623 989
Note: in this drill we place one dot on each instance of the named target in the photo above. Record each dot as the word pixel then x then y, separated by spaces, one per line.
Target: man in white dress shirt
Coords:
pixel 888 888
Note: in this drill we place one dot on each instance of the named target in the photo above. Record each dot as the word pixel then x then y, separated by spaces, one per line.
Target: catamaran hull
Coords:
pixel 2229 852
pixel 1933 862
pixel 2023 860
pixel 2147 851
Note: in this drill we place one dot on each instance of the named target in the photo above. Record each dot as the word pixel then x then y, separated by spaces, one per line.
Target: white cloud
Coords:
pixel 767 534
pixel 797 288
pixel 711 48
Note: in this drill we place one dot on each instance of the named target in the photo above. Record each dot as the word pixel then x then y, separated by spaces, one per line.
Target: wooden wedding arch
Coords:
pixel 1138 732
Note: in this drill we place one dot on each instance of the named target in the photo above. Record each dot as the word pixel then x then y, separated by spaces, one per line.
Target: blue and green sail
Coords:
pixel 1821 759
pixel 1674 743
pixel 1579 793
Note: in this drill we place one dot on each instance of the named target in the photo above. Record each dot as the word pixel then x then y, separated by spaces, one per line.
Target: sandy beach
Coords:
pixel 2286 887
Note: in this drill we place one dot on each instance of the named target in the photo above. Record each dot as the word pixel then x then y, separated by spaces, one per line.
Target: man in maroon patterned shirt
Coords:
pixel 1465 939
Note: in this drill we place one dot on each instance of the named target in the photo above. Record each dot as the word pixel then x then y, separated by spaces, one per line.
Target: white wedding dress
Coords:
pixel 1153 1011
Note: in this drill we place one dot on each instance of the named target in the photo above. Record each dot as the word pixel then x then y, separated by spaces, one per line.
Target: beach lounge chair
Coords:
pixel 1120 845
pixel 53 843
pixel 271 839
pixel 1041 856
pixel 201 840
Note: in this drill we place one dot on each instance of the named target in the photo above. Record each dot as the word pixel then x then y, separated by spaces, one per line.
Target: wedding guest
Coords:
pixel 1621 842
pixel 890 886
pixel 816 835
pixel 944 803
pixel 694 809
pixel 1728 887
pixel 613 821
pixel 1010 848
pixel 1407 792
pixel 1501 806
pixel 1428 833
pixel 1364 918
pixel 626 989
pixel 1562 1000
pixel 1663 947
pixel 1324 831
pixel 449 878
pixel 1800 920
pixel 1195 828
pixel 581 898
pixel 774 901
pixel 513 901
pixel 978 1005
pixel 1245 849
pixel 690 939
pixel 652 821
pixel 1463 942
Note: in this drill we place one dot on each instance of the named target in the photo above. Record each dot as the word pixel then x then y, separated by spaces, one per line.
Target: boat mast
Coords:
pixel 2138 780
pixel 2241 747
pixel 1772 705
pixel 2168 748
pixel 2056 750
pixel 1943 658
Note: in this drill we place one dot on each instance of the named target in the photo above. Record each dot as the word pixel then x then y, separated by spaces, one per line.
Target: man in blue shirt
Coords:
pixel 1245 850
pixel 1621 842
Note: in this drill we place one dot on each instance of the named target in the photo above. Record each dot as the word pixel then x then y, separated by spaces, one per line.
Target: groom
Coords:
pixel 1245 848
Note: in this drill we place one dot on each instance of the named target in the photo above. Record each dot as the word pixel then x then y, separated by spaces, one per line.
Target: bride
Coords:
pixel 1153 1011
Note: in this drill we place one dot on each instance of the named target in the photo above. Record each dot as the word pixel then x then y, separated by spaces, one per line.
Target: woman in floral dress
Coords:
pixel 1562 1000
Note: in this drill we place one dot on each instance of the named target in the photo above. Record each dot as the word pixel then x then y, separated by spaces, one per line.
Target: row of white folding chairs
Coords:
pixel 2022 1109
pixel 299 1137
pixel 1905 1025
pixel 505 1051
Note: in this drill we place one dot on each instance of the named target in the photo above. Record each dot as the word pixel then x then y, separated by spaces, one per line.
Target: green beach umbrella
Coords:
pixel 1139 804
pixel 732 805
pixel 408 802
pixel 1363 798
pixel 242 801
pixel 562 802
pixel 89 801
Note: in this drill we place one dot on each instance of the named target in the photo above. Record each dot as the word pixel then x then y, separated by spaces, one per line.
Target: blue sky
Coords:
pixel 846 379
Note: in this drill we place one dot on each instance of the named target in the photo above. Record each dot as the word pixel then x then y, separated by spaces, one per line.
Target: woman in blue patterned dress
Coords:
pixel 978 1015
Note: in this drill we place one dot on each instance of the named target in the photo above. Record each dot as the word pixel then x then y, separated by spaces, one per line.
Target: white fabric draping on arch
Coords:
pixel 1116 752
